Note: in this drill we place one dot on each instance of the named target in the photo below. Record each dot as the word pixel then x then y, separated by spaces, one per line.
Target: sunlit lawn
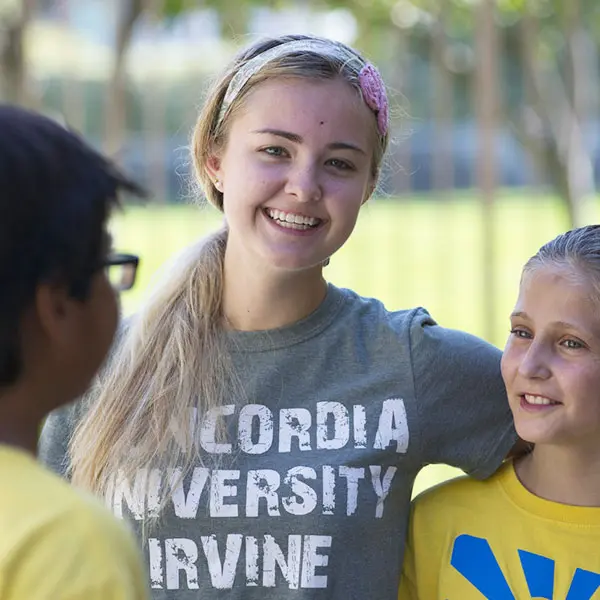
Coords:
pixel 407 253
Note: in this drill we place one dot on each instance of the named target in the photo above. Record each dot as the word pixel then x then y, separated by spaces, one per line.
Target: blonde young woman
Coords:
pixel 261 427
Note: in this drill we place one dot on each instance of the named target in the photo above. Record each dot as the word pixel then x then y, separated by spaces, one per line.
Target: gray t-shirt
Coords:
pixel 309 497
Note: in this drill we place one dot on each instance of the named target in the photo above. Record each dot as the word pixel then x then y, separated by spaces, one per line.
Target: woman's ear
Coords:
pixel 369 192
pixel 213 168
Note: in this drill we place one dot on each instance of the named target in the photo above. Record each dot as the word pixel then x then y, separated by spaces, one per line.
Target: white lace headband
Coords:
pixel 371 83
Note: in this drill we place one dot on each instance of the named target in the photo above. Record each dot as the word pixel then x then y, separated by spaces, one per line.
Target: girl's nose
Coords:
pixel 304 184
pixel 535 363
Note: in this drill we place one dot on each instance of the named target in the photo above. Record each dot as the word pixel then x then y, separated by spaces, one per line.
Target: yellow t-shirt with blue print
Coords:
pixel 494 540
pixel 59 544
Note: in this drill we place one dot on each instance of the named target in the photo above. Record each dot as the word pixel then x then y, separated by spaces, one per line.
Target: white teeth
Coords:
pixel 538 400
pixel 290 218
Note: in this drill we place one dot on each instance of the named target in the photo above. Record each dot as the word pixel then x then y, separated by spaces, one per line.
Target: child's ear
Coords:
pixel 54 306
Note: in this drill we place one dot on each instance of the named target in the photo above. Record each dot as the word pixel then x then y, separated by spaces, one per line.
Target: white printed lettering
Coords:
pixel 294 423
pixel 273 555
pixel 208 430
pixel 222 576
pixel 219 491
pixel 181 555
pixel 155 560
pixel 393 426
pixel 262 484
pixel 133 497
pixel 328 490
pixel 248 416
pixel 334 415
pixel 311 560
pixel 382 488
pixel 352 475
pixel 304 498
pixel 252 576
pixel 186 507
pixel 360 426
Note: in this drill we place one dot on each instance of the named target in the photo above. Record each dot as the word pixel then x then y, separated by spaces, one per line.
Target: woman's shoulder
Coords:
pixel 53 443
pixel 375 312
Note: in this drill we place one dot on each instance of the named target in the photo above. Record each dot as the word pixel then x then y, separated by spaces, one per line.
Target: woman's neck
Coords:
pixel 562 474
pixel 261 299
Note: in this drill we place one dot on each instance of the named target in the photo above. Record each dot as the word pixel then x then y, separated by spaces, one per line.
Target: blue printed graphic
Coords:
pixel 474 559
pixel 584 585
pixel 539 573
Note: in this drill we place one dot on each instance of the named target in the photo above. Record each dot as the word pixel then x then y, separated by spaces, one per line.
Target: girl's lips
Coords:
pixel 536 404
pixel 295 229
pixel 298 216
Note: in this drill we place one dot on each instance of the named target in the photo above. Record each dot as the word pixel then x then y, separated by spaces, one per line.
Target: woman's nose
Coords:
pixel 304 183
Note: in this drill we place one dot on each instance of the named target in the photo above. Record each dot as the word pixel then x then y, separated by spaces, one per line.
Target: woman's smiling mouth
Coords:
pixel 290 220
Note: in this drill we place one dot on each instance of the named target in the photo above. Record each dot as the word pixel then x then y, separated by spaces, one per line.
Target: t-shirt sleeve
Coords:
pixel 464 417
pixel 79 559
pixel 53 443
pixel 408 578
pixel 425 544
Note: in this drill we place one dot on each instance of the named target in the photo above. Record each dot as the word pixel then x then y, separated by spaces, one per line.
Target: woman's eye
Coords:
pixel 520 333
pixel 275 151
pixel 342 165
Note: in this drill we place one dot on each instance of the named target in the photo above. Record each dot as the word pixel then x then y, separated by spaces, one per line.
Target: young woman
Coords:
pixel 263 427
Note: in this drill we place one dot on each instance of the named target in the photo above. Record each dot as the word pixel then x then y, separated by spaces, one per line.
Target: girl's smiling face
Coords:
pixel 295 170
pixel 551 363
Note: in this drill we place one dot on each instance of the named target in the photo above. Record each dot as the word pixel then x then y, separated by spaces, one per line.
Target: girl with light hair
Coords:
pixel 260 426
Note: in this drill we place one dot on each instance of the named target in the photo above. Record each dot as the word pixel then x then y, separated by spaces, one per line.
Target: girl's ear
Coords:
pixel 213 167
pixel 369 192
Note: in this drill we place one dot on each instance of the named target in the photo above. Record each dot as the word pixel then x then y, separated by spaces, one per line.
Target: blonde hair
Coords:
pixel 172 359
pixel 578 250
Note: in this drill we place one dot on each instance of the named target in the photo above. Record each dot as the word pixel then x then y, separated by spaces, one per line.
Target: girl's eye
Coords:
pixel 275 151
pixel 342 165
pixel 572 344
pixel 520 333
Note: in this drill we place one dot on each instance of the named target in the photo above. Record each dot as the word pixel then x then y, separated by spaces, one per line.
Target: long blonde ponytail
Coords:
pixel 169 365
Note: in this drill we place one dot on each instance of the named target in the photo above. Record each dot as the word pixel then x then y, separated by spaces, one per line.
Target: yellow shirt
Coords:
pixel 57 543
pixel 475 540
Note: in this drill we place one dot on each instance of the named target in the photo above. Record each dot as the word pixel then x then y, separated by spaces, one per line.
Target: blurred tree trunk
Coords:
pixel 129 13
pixel 553 122
pixel 14 19
pixel 443 168
pixel 487 107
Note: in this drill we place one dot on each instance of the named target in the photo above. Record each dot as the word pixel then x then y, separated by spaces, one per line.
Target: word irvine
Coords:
pixel 302 497
pixel 301 562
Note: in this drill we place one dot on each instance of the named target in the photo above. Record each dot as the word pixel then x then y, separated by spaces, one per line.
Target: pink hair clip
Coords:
pixel 373 90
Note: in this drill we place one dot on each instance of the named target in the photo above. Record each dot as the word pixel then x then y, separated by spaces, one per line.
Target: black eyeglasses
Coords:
pixel 121 270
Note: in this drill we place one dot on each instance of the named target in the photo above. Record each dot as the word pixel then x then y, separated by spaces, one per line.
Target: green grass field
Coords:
pixel 408 252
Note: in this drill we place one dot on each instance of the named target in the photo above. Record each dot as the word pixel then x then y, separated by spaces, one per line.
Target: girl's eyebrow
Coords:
pixel 561 324
pixel 297 139
pixel 519 313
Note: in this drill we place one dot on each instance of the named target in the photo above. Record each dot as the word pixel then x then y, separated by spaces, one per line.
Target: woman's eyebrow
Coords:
pixel 297 139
